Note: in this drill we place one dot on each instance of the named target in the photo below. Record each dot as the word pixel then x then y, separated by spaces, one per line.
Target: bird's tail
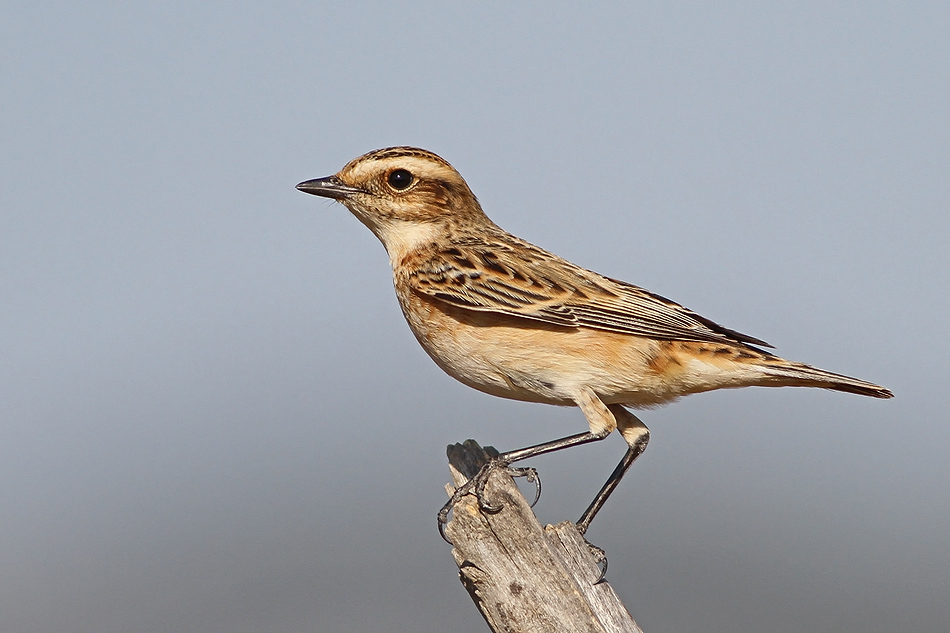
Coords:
pixel 801 375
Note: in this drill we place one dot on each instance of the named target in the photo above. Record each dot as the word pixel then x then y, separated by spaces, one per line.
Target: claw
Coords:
pixel 476 486
pixel 532 477
pixel 601 557
pixel 444 518
pixel 480 482
pixel 603 572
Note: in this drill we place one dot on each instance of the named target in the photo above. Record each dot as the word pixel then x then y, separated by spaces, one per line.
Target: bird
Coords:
pixel 511 319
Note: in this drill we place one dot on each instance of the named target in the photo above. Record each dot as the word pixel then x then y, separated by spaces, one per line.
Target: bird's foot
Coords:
pixel 600 557
pixel 476 486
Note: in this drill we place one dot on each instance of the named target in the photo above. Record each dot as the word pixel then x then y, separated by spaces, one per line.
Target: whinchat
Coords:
pixel 513 320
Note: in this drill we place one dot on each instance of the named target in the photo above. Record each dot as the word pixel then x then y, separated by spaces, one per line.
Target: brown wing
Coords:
pixel 519 279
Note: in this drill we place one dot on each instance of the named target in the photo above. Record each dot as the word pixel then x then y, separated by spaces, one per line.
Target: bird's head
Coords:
pixel 405 195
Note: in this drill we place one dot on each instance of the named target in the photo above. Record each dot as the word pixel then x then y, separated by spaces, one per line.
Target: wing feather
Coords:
pixel 518 279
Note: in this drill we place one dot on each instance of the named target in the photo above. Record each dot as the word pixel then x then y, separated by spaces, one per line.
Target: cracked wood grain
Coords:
pixel 525 578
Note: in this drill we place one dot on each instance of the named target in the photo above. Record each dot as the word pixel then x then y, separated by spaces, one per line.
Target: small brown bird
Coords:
pixel 513 320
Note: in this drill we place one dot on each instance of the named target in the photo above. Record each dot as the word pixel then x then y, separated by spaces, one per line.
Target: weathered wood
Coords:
pixel 522 577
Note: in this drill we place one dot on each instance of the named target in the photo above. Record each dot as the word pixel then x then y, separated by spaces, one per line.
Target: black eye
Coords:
pixel 399 179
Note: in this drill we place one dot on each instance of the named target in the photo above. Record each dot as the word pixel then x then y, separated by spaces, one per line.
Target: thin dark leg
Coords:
pixel 476 485
pixel 549 447
pixel 629 457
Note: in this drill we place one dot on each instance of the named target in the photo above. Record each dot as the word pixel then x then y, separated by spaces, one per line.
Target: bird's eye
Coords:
pixel 399 179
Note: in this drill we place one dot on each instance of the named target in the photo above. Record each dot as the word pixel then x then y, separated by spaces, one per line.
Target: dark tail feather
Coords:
pixel 801 375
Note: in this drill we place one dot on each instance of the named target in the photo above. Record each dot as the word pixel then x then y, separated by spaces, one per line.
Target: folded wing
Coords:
pixel 520 279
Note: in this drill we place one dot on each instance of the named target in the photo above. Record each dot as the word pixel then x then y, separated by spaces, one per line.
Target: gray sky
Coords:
pixel 213 417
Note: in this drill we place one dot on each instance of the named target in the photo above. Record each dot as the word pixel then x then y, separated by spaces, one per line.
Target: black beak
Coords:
pixel 329 187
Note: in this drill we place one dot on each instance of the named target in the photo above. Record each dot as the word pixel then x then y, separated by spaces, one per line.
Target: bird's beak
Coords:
pixel 329 187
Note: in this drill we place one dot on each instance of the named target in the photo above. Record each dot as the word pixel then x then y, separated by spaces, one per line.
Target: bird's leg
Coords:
pixel 476 485
pixel 603 419
pixel 637 436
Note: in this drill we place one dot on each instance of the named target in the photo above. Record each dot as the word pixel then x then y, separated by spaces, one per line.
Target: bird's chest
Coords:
pixel 484 350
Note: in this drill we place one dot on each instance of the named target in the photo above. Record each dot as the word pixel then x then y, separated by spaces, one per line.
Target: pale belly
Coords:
pixel 521 359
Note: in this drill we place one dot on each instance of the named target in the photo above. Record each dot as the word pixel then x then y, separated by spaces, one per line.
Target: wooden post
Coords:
pixel 522 577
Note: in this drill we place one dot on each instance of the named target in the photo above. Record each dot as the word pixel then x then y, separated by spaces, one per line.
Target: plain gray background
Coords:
pixel 215 419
